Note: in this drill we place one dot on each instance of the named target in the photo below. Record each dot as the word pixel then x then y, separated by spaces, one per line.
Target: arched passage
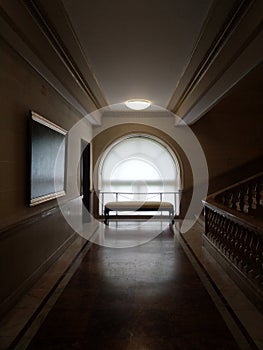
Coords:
pixel 139 167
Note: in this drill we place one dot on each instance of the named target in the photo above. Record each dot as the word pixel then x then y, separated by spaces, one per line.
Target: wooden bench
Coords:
pixel 137 206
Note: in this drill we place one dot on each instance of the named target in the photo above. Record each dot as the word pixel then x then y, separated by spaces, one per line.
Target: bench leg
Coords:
pixel 172 216
pixel 106 216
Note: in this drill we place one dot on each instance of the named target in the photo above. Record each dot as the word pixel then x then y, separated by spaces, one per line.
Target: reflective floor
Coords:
pixel 151 294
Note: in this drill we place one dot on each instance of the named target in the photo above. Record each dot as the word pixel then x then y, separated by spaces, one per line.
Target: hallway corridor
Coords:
pixel 145 297
pixel 160 295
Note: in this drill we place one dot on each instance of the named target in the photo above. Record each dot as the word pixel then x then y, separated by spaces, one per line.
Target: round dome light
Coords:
pixel 138 105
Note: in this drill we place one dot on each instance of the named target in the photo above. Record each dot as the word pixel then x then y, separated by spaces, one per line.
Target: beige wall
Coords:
pixel 21 90
pixel 231 134
pixel 27 249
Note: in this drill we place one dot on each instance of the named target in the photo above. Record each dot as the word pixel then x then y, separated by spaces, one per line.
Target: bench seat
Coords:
pixel 138 206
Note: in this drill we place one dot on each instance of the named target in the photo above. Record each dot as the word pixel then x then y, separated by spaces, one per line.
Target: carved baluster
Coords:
pixel 238 201
pixel 218 229
pixel 259 263
pixel 256 259
pixel 242 247
pixel 225 245
pixel 238 247
pixel 233 241
pixel 219 232
pixel 222 244
pixel 236 242
pixel 224 230
pixel 254 201
pixel 261 195
pixel 228 239
pixel 214 228
pixel 241 244
pixel 209 223
pixel 246 201
pixel 251 255
pixel 209 218
pixel 246 252
pixel 230 200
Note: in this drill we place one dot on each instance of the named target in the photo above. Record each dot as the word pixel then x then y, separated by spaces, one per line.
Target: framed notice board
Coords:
pixel 47 159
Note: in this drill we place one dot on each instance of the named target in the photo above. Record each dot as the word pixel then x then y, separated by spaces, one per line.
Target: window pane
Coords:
pixel 139 168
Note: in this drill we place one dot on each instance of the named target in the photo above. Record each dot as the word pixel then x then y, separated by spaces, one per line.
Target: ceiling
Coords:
pixel 138 49
pixel 184 56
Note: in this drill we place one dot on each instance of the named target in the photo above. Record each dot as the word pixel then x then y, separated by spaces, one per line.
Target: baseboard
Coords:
pixel 12 299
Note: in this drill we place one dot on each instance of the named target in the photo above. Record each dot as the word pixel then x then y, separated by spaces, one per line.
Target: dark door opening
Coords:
pixel 85 177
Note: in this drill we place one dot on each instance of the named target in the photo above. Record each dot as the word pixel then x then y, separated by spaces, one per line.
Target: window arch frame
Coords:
pixel 161 142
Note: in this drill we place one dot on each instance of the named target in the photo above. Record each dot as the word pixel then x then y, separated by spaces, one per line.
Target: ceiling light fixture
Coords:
pixel 138 105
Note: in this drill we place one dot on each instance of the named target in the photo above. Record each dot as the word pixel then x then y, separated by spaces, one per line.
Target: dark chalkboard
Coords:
pixel 47 165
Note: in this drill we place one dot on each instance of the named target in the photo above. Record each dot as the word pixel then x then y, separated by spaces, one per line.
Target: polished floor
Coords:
pixel 151 295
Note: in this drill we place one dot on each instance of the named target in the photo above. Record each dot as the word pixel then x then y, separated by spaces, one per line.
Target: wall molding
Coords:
pixel 209 64
pixel 15 227
pixel 23 33
pixel 213 51
pixel 55 41
pixel 13 298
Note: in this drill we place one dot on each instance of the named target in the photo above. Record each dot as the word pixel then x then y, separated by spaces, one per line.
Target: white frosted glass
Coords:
pixel 139 168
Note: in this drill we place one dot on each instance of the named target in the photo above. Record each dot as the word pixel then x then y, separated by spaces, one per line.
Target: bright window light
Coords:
pixel 139 168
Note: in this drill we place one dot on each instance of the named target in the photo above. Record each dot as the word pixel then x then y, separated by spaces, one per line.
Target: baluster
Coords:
pixel 232 242
pixel 238 201
pixel 251 257
pixel 259 262
pixel 217 229
pixel 235 244
pixel 207 221
pixel 254 201
pixel 222 232
pixel 246 252
pixel 239 242
pixel 212 225
pixel 255 257
pixel 215 225
pixel 261 195
pixel 230 200
pixel 228 239
pixel 241 247
pixel 223 243
pixel 246 201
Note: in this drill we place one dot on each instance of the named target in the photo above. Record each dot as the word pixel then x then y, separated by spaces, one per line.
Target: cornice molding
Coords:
pixel 194 82
pixel 57 44
pixel 22 33
pixel 212 52
pixel 211 96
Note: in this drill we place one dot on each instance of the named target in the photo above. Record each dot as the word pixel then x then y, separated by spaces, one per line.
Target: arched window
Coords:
pixel 139 168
